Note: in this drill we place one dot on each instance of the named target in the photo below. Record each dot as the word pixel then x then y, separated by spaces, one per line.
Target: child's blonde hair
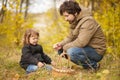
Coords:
pixel 28 34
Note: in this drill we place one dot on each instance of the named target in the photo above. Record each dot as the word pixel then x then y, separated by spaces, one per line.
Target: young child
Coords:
pixel 33 56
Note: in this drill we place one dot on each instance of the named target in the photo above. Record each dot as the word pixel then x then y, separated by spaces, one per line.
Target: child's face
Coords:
pixel 33 40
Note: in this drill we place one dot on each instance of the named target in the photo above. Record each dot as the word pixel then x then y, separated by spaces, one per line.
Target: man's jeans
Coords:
pixel 87 56
pixel 33 68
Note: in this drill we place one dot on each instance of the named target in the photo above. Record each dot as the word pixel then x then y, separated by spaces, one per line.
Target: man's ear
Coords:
pixel 76 14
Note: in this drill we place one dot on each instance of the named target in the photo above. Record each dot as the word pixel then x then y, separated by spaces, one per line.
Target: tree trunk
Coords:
pixel 55 11
pixel 21 3
pixel 2 12
pixel 92 5
pixel 26 10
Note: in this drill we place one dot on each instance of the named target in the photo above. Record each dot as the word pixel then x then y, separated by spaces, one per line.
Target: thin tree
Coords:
pixel 55 11
pixel 21 4
pixel 3 10
pixel 26 10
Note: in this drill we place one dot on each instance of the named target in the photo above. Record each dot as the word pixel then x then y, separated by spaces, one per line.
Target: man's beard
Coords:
pixel 70 22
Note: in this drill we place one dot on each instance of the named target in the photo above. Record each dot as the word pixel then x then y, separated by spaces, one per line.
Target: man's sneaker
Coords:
pixel 94 69
pixel 97 67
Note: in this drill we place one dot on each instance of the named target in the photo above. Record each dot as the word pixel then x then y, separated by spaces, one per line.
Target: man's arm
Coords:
pixel 87 30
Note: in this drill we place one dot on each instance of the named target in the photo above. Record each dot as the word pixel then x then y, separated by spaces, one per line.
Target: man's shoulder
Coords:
pixel 86 19
pixel 88 22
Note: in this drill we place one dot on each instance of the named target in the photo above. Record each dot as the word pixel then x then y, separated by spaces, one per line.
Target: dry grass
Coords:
pixel 10 69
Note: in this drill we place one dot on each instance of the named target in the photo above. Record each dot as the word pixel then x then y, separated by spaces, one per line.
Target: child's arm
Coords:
pixel 46 58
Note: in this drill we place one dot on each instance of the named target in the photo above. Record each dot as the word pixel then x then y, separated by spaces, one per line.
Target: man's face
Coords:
pixel 69 17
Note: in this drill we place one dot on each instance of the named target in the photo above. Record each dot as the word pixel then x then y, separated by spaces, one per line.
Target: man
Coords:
pixel 85 43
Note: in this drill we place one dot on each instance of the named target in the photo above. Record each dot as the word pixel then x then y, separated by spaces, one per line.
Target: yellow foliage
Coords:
pixel 109 20
pixel 106 71
pixel 12 29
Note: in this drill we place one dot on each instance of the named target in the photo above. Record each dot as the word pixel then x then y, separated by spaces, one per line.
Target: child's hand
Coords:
pixel 53 63
pixel 40 64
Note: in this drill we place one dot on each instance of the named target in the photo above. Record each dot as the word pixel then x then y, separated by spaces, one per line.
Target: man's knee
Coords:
pixel 75 51
pixel 76 55
pixel 70 51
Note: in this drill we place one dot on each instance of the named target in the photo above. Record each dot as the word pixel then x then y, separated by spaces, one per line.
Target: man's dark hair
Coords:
pixel 70 7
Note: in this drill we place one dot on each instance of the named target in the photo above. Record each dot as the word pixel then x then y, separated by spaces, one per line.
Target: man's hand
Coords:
pixel 65 55
pixel 57 46
pixel 40 64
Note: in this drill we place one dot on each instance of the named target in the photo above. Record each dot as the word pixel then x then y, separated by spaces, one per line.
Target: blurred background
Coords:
pixel 43 15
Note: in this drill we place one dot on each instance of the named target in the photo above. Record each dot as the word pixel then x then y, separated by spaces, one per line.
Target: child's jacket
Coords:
pixel 32 54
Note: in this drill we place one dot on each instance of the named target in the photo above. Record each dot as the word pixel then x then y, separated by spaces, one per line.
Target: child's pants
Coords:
pixel 33 68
